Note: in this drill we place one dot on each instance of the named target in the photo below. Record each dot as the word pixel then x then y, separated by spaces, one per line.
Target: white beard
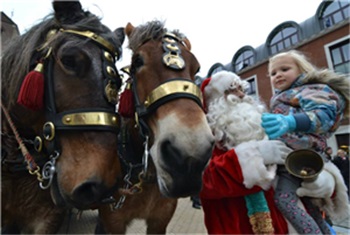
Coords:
pixel 234 120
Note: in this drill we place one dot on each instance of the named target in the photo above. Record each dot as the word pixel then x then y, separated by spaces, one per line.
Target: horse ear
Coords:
pixel 128 29
pixel 68 12
pixel 187 43
pixel 119 32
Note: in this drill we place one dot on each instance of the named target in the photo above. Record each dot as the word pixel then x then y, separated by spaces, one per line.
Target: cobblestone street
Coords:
pixel 186 220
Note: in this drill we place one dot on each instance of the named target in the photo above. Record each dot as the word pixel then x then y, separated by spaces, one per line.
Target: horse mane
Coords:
pixel 20 56
pixel 151 30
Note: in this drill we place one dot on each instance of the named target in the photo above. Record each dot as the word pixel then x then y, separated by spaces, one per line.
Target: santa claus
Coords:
pixel 243 164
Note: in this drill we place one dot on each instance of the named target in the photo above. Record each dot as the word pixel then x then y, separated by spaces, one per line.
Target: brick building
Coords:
pixel 324 38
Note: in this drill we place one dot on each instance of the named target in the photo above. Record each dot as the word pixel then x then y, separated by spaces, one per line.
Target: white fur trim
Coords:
pixel 338 207
pixel 252 165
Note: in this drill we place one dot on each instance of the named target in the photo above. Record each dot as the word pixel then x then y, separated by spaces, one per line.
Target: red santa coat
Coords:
pixel 223 194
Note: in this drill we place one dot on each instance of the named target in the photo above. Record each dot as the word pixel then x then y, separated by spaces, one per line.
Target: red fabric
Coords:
pixel 223 194
pixel 31 94
pixel 126 106
pixel 204 84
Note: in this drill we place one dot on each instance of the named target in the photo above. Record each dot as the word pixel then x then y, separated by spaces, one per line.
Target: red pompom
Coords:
pixel 126 106
pixel 31 94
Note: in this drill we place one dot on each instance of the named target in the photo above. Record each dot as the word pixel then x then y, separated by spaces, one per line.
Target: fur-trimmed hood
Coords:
pixel 338 82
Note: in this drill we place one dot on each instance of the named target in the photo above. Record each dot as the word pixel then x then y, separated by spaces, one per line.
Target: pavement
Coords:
pixel 186 220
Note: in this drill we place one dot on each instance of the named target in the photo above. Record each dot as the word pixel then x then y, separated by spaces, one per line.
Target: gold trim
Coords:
pixel 108 56
pixel 38 144
pixel 173 61
pixel 90 118
pixel 52 133
pixel 111 71
pixel 173 87
pixel 126 69
pixel 94 37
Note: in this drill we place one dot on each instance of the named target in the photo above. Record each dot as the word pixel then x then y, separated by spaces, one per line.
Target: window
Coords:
pixel 284 39
pixel 244 59
pixel 252 91
pixel 217 67
pixel 335 12
pixel 338 55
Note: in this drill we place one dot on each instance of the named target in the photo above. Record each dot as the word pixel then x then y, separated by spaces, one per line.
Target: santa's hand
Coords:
pixel 322 187
pixel 276 125
pixel 273 151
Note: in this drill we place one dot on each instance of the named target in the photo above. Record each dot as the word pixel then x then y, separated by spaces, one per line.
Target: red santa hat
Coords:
pixel 215 87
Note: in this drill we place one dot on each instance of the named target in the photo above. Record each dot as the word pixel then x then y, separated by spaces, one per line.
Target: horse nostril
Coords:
pixel 88 193
pixel 178 159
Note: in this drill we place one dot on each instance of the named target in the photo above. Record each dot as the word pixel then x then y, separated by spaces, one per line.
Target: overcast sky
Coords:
pixel 216 29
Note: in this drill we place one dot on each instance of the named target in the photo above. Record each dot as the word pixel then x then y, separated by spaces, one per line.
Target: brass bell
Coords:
pixel 305 164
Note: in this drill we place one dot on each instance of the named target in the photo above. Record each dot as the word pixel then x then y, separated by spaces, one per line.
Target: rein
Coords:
pixel 32 167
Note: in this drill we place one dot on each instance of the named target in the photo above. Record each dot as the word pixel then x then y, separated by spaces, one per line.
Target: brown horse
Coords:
pixel 59 126
pixel 163 121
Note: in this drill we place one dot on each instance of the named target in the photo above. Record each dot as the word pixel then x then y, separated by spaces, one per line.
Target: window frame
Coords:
pixel 328 48
pixel 253 80
pixel 280 44
pixel 330 17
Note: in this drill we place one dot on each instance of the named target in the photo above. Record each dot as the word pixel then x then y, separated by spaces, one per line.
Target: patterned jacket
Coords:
pixel 318 102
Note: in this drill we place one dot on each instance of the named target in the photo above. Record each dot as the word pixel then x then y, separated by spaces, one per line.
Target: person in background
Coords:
pixel 306 109
pixel 196 202
pixel 341 160
pixel 329 153
pixel 234 173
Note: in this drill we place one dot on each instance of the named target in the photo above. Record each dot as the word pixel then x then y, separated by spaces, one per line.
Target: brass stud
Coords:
pixel 172 47
pixel 68 119
pixel 111 71
pixel 108 56
pixel 169 40
pixel 114 119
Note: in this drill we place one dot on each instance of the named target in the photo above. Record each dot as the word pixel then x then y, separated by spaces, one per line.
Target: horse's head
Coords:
pixel 169 107
pixel 77 125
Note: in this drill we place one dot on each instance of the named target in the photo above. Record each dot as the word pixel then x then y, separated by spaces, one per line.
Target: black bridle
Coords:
pixel 171 89
pixel 87 119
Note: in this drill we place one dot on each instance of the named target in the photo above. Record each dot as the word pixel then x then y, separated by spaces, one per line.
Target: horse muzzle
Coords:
pixel 87 195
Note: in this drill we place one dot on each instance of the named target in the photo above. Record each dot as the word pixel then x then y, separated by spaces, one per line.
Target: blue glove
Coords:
pixel 276 125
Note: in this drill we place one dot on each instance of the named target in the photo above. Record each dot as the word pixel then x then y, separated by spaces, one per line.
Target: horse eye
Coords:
pixel 76 61
pixel 137 62
pixel 69 62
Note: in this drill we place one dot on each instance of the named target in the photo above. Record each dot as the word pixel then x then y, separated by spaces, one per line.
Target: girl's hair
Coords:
pixel 337 81
pixel 300 59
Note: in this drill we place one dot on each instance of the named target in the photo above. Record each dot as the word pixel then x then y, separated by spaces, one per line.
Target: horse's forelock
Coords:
pixel 152 30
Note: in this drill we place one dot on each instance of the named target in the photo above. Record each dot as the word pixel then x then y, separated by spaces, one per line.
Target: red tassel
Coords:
pixel 31 94
pixel 126 106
